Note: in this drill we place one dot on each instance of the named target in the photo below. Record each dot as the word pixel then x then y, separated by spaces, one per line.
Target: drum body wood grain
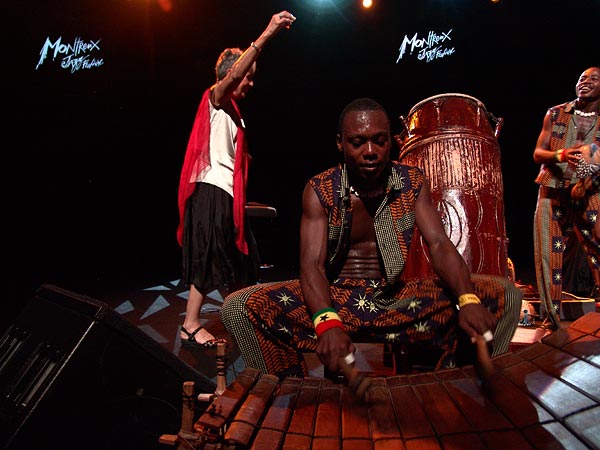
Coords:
pixel 450 137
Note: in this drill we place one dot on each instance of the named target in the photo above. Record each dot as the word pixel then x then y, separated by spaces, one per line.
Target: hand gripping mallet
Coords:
pixel 485 368
pixel 356 381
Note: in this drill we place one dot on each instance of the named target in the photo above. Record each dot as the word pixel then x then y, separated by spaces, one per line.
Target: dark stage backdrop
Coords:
pixel 105 93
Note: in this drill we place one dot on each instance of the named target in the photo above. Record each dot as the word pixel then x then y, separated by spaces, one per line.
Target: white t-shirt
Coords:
pixel 223 133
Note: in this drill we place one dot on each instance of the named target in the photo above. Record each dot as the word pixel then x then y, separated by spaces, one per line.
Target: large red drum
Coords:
pixel 450 137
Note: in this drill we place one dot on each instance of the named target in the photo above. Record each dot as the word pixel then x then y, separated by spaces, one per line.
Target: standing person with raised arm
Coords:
pixel 218 248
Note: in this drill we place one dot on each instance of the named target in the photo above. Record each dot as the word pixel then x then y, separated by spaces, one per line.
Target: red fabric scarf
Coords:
pixel 197 162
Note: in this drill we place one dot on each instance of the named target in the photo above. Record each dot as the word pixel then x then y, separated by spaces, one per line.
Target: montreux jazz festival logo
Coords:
pixel 434 46
pixel 75 56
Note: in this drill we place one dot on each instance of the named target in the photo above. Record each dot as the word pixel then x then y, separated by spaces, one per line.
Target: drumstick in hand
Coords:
pixel 356 381
pixel 485 367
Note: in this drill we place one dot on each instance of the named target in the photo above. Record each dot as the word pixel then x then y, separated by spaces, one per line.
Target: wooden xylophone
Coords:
pixel 545 396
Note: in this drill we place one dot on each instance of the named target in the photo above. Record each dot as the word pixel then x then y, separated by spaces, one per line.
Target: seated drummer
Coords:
pixel 357 222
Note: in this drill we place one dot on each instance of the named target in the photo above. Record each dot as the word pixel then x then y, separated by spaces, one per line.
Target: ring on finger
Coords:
pixel 349 358
pixel 488 336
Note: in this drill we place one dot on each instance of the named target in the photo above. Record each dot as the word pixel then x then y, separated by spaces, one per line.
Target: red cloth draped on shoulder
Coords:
pixel 197 162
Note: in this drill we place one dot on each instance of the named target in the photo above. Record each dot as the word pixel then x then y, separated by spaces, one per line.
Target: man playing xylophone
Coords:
pixel 357 223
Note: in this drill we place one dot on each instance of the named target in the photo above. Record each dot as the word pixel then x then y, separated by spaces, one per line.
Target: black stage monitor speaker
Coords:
pixel 74 374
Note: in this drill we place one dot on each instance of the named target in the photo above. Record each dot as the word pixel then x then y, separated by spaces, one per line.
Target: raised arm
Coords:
pixel 224 89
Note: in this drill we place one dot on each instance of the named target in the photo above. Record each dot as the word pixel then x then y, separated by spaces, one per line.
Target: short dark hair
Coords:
pixel 227 58
pixel 361 104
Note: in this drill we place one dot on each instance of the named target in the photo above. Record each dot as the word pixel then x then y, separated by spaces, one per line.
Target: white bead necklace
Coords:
pixel 585 114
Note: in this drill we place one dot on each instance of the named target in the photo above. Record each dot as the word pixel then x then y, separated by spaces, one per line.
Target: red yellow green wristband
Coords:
pixel 324 326
pixel 325 311
pixel 326 319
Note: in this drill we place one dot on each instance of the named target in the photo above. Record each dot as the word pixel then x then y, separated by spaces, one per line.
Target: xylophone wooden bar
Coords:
pixel 544 396
pixel 213 423
pixel 246 421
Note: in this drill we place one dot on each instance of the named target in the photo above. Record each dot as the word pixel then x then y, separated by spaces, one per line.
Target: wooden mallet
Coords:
pixel 485 368
pixel 357 382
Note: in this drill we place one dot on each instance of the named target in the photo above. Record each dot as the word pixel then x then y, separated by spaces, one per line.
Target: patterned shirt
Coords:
pixel 564 135
pixel 394 220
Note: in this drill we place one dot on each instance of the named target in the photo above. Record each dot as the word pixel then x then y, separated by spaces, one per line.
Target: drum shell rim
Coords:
pixel 450 94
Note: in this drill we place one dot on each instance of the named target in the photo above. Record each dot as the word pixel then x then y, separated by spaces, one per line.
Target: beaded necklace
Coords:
pixel 585 114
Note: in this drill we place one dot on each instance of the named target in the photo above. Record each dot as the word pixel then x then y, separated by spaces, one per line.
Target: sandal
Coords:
pixel 191 341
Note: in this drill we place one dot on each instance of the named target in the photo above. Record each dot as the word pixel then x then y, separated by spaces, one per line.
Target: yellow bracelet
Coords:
pixel 468 299
pixel 558 155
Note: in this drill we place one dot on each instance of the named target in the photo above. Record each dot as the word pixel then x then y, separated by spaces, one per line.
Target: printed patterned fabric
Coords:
pixel 415 312
pixel 394 220
pixel 273 326
pixel 564 134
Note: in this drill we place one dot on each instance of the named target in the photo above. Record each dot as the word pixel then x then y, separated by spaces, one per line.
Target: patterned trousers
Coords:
pixel 558 218
pixel 272 325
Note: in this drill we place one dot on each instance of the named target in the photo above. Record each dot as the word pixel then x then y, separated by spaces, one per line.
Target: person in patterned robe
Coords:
pixel 568 200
